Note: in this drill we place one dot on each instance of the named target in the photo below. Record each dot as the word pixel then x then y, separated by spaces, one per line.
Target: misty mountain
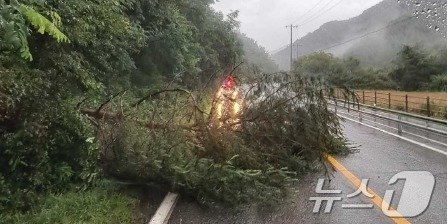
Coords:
pixel 374 37
pixel 256 54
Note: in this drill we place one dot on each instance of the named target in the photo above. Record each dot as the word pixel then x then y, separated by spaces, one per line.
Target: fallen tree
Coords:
pixel 179 140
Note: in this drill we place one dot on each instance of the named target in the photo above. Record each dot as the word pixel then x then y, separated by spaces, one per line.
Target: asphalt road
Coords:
pixel 380 157
pixel 428 137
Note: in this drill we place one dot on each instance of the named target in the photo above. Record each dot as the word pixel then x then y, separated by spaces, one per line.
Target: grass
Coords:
pixel 417 101
pixel 98 205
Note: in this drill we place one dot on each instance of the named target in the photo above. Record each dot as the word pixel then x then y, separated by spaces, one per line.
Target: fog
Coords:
pixel 424 26
pixel 265 20
pixel 371 30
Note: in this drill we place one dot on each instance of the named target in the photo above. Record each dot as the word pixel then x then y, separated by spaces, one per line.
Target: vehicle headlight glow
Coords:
pixel 228 104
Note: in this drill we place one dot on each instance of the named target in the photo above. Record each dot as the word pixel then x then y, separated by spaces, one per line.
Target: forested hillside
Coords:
pixel 387 26
pixel 59 56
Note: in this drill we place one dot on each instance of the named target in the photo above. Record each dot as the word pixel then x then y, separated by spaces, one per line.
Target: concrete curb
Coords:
pixel 165 210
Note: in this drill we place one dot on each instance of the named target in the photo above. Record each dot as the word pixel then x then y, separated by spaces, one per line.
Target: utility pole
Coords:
pixel 291 44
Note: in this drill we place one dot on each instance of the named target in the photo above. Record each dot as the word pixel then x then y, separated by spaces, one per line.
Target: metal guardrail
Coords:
pixel 398 121
pixel 359 105
pixel 426 132
pixel 436 143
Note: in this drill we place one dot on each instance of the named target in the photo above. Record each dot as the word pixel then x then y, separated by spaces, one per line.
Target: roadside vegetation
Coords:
pixel 102 204
pixel 102 90
pixel 413 69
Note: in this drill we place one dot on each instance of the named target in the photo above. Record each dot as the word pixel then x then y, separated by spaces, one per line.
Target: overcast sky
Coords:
pixel 265 20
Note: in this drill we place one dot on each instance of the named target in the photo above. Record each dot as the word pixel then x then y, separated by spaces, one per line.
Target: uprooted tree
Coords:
pixel 180 140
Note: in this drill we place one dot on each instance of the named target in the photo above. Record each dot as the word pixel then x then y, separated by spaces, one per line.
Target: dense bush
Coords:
pixel 414 68
pixel 100 205
pixel 45 144
pixel 417 69
pixel 439 83
pixel 82 51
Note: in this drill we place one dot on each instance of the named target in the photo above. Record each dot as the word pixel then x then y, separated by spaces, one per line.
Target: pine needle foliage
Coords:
pixel 170 140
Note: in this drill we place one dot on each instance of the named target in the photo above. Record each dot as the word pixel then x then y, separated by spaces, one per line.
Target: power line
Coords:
pixel 286 46
pixel 367 34
pixel 308 11
pixel 319 11
pixel 321 14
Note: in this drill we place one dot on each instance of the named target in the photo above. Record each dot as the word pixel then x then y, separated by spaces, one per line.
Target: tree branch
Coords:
pixel 154 94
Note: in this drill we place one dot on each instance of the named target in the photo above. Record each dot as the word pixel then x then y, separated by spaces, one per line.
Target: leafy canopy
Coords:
pixel 14 18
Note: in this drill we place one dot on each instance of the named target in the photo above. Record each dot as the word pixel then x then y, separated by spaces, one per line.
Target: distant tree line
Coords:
pixel 417 70
pixel 412 70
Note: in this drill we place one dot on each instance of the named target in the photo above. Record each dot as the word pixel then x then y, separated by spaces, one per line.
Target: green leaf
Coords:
pixel 42 24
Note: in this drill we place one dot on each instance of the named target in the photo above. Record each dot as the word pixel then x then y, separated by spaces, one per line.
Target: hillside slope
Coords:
pixel 256 54
pixel 377 48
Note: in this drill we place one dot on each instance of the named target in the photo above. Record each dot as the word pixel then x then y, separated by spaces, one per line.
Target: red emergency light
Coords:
pixel 229 83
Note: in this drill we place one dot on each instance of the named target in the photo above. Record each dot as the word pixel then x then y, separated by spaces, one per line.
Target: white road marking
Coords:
pixel 398 136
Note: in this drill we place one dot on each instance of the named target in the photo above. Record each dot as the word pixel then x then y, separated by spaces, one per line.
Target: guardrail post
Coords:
pixel 360 116
pixel 363 97
pixel 406 103
pixel 428 107
pixel 389 100
pixel 399 125
pixel 375 98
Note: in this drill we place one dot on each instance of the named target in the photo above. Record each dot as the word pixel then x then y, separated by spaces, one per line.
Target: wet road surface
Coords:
pixel 380 157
